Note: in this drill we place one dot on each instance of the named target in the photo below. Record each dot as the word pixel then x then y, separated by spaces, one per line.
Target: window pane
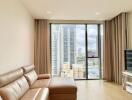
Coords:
pixel 92 37
pixel 68 49
pixel 93 68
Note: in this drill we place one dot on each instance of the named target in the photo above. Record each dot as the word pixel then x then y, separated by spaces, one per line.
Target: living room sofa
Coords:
pixel 25 84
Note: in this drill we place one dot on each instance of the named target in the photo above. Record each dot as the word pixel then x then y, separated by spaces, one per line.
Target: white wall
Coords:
pixel 129 36
pixel 16 36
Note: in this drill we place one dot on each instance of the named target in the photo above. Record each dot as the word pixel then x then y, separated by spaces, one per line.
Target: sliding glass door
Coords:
pixel 75 50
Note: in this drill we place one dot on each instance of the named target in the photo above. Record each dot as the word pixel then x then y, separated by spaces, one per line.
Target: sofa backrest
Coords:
pixel 30 74
pixel 27 69
pixel 13 85
pixel 10 77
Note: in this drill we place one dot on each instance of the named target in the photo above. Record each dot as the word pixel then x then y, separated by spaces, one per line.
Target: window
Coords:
pixel 76 47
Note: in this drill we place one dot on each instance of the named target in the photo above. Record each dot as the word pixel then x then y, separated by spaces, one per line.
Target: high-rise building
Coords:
pixel 69 43
pixel 63 46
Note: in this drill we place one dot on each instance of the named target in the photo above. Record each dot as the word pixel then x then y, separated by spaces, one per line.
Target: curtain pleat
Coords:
pixel 42 47
pixel 114 46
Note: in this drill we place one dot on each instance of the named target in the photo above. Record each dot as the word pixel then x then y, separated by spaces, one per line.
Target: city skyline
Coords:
pixel 68 47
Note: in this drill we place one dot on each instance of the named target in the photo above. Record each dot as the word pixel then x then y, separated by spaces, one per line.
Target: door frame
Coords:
pixel 86 46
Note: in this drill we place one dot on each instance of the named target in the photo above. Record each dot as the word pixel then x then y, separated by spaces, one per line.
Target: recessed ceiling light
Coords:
pixel 97 13
pixel 49 12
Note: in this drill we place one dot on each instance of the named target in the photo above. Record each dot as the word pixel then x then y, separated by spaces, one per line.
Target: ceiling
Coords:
pixel 77 9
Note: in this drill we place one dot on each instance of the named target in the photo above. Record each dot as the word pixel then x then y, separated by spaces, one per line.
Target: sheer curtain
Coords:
pixel 42 47
pixel 114 46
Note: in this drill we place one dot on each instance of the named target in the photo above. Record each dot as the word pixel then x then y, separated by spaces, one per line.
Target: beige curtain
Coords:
pixel 114 46
pixel 42 47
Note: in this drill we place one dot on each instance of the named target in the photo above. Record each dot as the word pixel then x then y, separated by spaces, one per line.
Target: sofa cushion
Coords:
pixel 41 83
pixel 10 77
pixel 36 94
pixel 29 68
pixel 31 77
pixel 62 86
pixel 14 90
pixel 31 94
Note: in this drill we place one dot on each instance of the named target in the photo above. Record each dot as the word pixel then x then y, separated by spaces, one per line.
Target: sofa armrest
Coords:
pixel 44 76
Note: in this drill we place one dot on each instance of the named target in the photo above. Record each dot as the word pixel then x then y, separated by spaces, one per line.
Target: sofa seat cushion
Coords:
pixel 41 83
pixel 14 90
pixel 43 94
pixel 36 94
pixel 31 94
pixel 62 86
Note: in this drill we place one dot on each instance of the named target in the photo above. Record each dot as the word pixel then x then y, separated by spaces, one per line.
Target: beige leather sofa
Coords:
pixel 25 84
pixel 14 86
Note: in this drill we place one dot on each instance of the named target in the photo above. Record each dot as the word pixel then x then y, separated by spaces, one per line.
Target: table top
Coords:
pixel 127 73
